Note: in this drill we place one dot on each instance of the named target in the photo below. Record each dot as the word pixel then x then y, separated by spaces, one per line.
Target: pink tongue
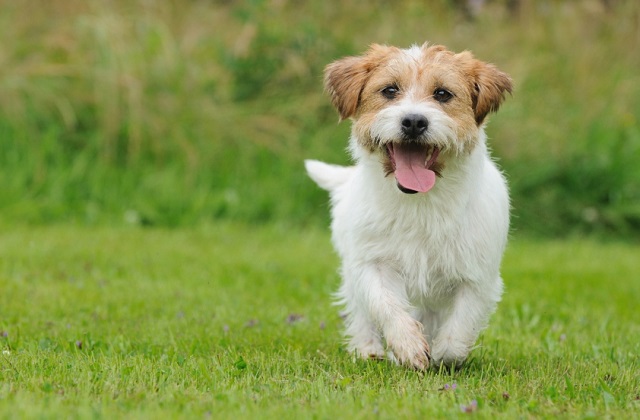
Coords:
pixel 411 170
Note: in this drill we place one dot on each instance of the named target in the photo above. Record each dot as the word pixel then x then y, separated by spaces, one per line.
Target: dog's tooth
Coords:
pixel 429 154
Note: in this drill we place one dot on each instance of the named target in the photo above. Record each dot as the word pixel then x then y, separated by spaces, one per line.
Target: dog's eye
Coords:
pixel 390 92
pixel 442 95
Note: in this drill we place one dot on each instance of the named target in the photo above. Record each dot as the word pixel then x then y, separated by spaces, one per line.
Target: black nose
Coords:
pixel 413 125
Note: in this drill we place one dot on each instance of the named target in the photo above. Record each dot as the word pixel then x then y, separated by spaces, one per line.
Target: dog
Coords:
pixel 421 220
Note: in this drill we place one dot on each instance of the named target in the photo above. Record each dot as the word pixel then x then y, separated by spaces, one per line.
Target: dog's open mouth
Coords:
pixel 414 166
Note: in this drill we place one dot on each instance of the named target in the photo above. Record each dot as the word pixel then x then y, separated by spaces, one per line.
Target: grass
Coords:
pixel 176 113
pixel 235 320
pixel 121 115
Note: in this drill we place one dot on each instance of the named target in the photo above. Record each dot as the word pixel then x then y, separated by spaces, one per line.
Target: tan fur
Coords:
pixel 345 78
pixel 354 84
pixel 489 85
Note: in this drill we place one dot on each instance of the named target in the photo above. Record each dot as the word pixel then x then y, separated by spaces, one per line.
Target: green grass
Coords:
pixel 120 115
pixel 192 323
pixel 178 113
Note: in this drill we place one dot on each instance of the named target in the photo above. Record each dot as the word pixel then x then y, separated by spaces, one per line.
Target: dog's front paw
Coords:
pixel 371 352
pixel 449 352
pixel 370 348
pixel 410 348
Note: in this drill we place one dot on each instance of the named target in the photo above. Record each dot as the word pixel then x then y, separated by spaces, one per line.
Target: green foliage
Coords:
pixel 180 113
pixel 234 321
pixel 597 186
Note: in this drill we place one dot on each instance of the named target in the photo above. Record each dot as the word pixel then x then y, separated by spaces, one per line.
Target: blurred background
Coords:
pixel 175 113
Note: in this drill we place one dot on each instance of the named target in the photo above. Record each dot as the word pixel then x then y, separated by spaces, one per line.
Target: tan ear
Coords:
pixel 488 85
pixel 344 79
pixel 489 89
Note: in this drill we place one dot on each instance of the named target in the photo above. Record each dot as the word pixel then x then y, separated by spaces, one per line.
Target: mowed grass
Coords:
pixel 236 321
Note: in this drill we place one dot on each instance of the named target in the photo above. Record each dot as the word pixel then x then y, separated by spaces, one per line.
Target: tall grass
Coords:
pixel 172 113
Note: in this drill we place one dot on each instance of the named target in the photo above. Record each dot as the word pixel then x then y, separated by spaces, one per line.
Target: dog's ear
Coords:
pixel 344 79
pixel 489 86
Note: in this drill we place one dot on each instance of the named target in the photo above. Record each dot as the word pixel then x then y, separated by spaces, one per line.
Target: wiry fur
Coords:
pixel 420 272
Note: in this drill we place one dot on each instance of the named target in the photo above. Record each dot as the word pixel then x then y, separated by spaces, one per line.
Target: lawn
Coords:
pixel 153 262
pixel 236 321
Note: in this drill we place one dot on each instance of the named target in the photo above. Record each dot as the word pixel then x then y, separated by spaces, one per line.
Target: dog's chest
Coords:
pixel 428 262
pixel 435 241
pixel 419 244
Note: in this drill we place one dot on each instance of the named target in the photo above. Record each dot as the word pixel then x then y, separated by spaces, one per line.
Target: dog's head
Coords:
pixel 415 107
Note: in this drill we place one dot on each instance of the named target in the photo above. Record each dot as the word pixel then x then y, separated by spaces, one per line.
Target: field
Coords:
pixel 163 255
pixel 236 321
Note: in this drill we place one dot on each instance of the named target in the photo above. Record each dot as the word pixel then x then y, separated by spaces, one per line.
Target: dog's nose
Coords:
pixel 413 125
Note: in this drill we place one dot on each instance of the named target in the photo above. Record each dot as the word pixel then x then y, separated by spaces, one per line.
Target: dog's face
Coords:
pixel 415 108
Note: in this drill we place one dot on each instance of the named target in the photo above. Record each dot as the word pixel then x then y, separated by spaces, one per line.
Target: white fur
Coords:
pixel 386 126
pixel 420 272
pixel 433 258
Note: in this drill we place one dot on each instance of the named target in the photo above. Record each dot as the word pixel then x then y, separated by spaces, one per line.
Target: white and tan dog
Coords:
pixel 421 220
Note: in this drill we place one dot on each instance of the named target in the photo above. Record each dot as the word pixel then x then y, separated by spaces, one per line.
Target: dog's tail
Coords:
pixel 326 175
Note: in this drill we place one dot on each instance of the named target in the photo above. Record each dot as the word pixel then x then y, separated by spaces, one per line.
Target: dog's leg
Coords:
pixel 468 317
pixel 380 299
pixel 364 338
